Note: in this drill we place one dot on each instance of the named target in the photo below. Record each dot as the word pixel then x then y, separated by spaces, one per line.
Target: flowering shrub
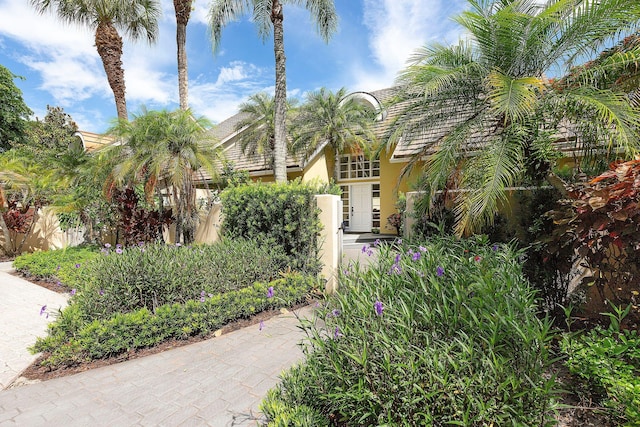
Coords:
pixel 441 333
pixel 127 279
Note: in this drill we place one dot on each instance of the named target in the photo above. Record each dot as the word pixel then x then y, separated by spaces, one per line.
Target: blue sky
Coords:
pixel 61 67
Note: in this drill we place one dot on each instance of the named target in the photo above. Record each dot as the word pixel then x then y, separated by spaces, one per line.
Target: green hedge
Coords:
pixel 72 339
pixel 443 332
pixel 285 213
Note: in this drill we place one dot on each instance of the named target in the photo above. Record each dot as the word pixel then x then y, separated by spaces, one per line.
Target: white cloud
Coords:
pixel 396 29
pixel 233 85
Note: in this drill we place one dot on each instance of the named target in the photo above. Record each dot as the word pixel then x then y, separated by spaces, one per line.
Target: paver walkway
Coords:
pixel 21 322
pixel 218 382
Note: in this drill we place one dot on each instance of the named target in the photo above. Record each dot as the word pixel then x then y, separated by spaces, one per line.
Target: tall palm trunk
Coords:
pixel 109 45
pixel 280 132
pixel 183 13
pixel 336 165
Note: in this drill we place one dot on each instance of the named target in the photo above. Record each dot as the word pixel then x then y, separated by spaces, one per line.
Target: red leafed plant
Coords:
pixel 601 222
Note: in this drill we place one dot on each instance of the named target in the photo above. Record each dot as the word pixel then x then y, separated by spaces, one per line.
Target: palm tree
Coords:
pixel 183 13
pixel 259 121
pixel 136 18
pixel 335 118
pixel 168 148
pixel 491 113
pixel 268 16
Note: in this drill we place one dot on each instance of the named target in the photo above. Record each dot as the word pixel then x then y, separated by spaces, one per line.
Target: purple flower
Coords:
pixel 119 251
pixel 395 269
pixel 399 241
pixel 376 242
pixel 398 258
pixel 203 293
pixel 378 307
pixel 107 245
pixel 364 248
pixel 58 268
pixel 118 245
pixel 72 292
pixel 270 292
pixel 178 245
pixel 104 251
pixel 43 309
pixel 101 292
pixel 58 283
pixel 210 295
pixel 416 256
pixel 439 271
pixel 77 265
pixel 140 243
pixel 494 248
pixel 336 333
pixel 261 325
pixel 335 313
pixel 422 249
pixel 201 299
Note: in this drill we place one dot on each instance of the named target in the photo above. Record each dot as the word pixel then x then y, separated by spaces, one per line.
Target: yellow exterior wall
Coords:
pixel 317 170
pixel 389 188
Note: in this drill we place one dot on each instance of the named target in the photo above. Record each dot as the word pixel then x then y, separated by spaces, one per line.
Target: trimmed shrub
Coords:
pixel 444 333
pixel 149 276
pixel 72 339
pixel 285 213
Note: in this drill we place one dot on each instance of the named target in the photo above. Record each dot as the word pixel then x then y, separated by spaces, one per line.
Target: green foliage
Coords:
pixel 67 266
pixel 149 276
pixel 441 334
pixel 73 338
pixel 285 213
pixel 608 361
pixel 14 113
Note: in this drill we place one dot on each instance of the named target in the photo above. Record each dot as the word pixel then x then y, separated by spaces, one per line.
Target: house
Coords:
pixel 369 187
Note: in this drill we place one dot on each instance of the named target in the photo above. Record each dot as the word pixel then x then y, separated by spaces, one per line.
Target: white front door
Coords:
pixel 360 202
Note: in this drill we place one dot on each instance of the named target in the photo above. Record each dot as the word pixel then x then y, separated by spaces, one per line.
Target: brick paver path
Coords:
pixel 218 382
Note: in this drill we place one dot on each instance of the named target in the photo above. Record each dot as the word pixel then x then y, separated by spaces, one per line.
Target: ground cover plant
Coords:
pixel 63 267
pixel 138 297
pixel 443 332
pixel 607 361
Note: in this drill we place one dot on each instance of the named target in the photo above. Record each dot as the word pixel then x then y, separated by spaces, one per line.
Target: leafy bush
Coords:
pixel 66 266
pixel 72 339
pixel 440 334
pixel 285 213
pixel 601 223
pixel 149 276
pixel 608 360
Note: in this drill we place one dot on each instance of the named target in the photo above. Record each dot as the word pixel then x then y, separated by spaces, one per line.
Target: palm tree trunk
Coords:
pixel 336 165
pixel 280 132
pixel 109 45
pixel 183 12
pixel 7 236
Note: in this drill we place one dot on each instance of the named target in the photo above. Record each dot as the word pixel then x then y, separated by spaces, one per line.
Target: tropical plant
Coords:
pixel 169 148
pixel 600 222
pixel 137 19
pixel 14 113
pixel 490 113
pixel 336 119
pixel 183 13
pixel 268 16
pixel 259 120
pixel 26 187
